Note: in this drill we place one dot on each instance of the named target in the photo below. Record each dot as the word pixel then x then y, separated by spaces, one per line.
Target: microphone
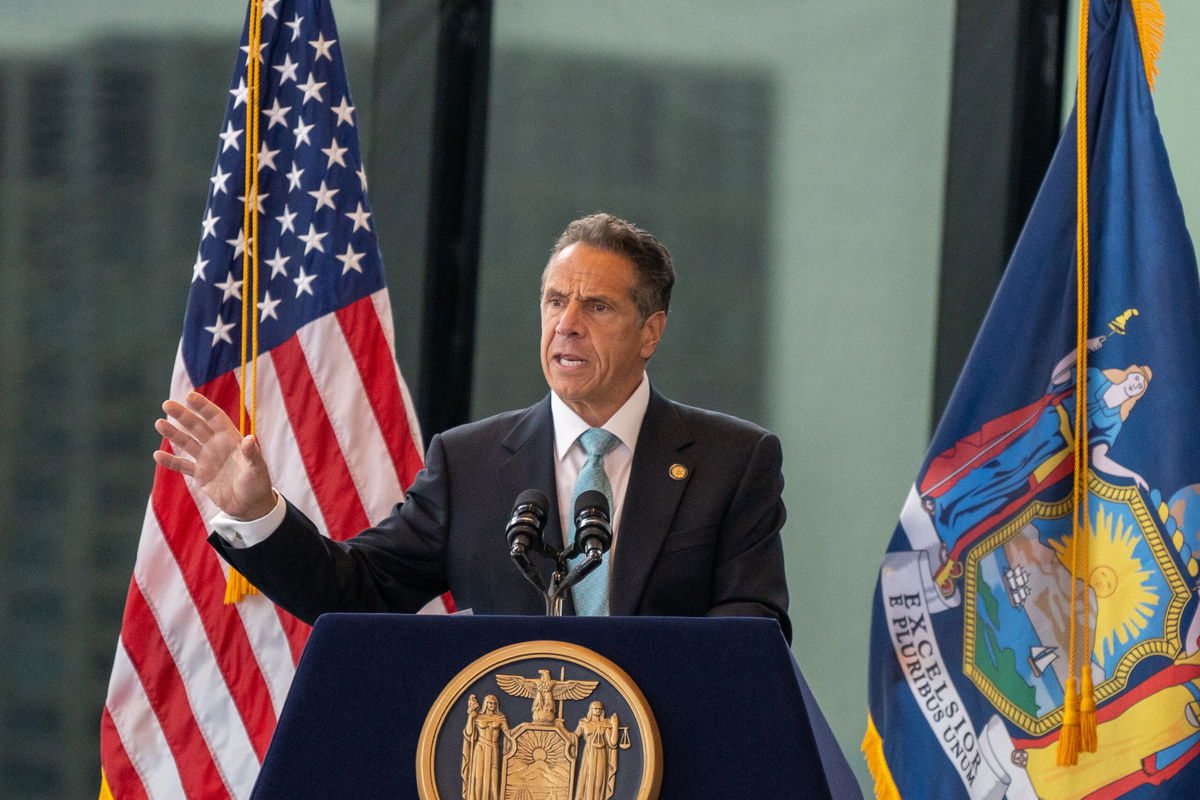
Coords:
pixel 524 531
pixel 593 533
pixel 593 536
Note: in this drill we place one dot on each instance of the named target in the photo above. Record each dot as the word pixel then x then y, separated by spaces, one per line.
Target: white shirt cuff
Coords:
pixel 241 533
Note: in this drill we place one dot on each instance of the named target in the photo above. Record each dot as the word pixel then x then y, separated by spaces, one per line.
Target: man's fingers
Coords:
pixel 180 440
pixel 188 420
pixel 174 463
pixel 196 427
pixel 209 411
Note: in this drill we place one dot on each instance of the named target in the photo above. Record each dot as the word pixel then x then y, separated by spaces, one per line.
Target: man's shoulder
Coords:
pixel 498 426
pixel 713 422
pixel 706 438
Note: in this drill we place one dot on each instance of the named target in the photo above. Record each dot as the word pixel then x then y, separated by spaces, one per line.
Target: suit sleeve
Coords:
pixel 396 566
pixel 748 573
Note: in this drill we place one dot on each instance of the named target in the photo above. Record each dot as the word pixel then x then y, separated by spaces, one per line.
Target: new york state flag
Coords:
pixel 970 620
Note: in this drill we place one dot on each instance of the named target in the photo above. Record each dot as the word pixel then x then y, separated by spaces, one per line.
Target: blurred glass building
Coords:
pixel 791 154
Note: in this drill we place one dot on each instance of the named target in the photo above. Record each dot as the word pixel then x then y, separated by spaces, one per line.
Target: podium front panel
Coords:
pixel 735 718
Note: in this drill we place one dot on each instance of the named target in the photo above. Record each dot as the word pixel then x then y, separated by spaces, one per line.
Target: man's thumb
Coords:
pixel 252 450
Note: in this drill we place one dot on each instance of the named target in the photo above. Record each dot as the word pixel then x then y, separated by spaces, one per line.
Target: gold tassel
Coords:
pixel 105 792
pixel 1087 712
pixel 237 588
pixel 872 750
pixel 1068 737
pixel 1148 15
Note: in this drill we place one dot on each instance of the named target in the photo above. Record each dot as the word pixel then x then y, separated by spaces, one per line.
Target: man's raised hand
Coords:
pixel 208 447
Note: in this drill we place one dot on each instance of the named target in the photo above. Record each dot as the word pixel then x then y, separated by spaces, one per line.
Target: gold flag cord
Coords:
pixel 1071 737
pixel 237 588
pixel 1079 732
pixel 250 209
pixel 250 220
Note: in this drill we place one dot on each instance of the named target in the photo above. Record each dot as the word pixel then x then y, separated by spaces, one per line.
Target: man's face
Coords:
pixel 594 347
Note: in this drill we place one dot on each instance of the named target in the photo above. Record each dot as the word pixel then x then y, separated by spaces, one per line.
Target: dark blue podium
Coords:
pixel 734 713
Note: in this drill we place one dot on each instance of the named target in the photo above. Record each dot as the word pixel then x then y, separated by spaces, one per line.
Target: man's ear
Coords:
pixel 652 331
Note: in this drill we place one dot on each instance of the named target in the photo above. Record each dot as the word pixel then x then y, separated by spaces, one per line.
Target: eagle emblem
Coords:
pixel 545 691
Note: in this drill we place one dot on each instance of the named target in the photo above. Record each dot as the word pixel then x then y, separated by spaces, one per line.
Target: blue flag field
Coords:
pixel 970 620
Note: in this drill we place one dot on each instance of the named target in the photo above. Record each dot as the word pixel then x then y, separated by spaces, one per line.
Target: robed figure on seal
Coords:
pixel 598 761
pixel 482 739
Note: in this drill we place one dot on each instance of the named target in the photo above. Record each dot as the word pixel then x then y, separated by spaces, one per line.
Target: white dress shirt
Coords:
pixel 247 533
pixel 568 460
pixel 569 456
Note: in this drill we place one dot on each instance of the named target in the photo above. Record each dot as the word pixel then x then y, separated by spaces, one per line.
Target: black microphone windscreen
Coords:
pixel 534 498
pixel 592 498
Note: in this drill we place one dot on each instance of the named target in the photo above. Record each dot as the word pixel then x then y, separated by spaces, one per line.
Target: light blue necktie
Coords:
pixel 591 594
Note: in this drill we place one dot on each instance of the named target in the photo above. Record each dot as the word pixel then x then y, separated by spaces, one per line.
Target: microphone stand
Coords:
pixel 566 576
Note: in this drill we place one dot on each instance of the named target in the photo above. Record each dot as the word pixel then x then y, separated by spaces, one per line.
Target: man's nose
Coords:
pixel 570 321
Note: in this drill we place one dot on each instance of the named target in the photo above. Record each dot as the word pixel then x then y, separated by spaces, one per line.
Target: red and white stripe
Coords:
pixel 197 685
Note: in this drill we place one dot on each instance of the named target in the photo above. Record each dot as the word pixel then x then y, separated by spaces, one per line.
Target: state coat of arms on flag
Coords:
pixel 970 631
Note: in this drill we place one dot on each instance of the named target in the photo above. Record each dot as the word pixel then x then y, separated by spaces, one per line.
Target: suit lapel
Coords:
pixel 650 502
pixel 531 466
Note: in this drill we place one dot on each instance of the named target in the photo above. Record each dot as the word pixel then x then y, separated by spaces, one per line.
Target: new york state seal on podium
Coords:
pixel 540 720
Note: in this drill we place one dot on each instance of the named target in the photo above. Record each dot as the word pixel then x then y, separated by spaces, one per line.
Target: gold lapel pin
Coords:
pixel 678 471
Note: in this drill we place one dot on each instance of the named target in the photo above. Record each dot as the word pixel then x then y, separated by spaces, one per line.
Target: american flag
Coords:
pixel 197 685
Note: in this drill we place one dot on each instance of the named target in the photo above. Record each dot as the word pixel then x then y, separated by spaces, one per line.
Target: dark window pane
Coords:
pixel 48 127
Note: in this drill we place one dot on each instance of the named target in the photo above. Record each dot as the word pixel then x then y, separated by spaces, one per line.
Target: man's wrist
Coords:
pixel 260 510
pixel 247 533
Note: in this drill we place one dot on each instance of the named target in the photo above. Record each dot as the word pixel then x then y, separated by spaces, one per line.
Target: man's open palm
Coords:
pixel 208 447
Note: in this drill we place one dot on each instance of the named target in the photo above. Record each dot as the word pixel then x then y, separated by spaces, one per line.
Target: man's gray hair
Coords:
pixel 651 259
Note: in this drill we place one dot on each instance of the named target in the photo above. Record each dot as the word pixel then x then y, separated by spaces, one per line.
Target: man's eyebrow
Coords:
pixel 592 298
pixel 599 298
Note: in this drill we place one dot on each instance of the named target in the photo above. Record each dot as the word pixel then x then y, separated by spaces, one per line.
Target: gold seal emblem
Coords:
pixel 589 734
pixel 678 471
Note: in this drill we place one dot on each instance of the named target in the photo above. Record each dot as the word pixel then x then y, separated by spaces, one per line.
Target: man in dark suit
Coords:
pixel 695 494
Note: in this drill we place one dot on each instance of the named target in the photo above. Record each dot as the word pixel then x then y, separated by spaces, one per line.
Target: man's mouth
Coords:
pixel 568 361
